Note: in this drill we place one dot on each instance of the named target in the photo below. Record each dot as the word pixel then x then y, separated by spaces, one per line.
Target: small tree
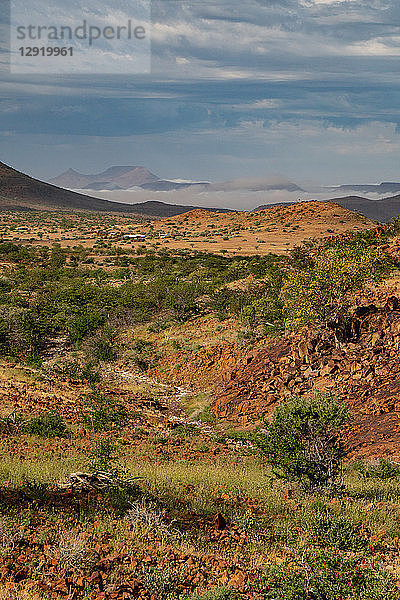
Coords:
pixel 303 441
pixel 320 292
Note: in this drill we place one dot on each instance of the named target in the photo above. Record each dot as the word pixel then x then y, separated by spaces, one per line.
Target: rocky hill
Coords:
pixel 364 372
pixel 275 229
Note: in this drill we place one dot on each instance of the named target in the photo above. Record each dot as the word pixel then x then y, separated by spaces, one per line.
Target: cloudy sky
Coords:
pixel 306 90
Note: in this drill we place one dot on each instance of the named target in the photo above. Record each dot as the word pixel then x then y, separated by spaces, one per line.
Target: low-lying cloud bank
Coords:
pixel 239 194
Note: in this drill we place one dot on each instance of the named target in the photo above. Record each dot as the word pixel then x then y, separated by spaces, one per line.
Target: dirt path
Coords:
pixel 171 396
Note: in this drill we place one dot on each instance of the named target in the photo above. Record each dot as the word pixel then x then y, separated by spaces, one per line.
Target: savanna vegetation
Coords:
pixel 191 510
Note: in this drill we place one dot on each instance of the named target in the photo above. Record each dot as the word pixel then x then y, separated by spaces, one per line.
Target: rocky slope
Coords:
pixel 275 229
pixel 364 372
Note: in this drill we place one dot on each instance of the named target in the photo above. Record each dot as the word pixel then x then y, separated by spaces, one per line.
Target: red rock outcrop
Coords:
pixel 364 372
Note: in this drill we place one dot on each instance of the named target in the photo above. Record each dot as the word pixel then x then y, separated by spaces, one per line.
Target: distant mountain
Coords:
pixel 161 209
pixel 21 192
pixel 117 178
pixel 386 187
pixel 382 210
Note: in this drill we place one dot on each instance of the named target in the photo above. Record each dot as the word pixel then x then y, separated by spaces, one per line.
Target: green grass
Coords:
pixel 234 479
pixel 268 527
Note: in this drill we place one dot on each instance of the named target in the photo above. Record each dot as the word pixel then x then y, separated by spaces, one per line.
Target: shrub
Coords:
pixel 47 424
pixel 73 369
pixel 123 488
pixel 103 457
pixel 303 440
pixel 73 554
pixel 144 355
pixel 104 412
pixel 11 423
pixel 186 430
pixel 206 416
pixel 23 331
pixel 84 324
pixel 164 583
pixel 89 373
pixel 160 325
pixel 337 531
pixel 143 514
pixel 246 337
pixel 265 311
pixel 10 535
pixel 103 345
pixel 383 469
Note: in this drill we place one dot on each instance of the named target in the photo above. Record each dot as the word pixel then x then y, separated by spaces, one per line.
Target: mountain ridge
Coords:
pixel 122 177
pixel 22 192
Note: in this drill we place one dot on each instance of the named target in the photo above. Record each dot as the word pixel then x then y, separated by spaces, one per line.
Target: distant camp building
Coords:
pixel 134 236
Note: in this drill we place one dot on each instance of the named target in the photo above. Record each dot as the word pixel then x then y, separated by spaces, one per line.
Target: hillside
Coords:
pixel 365 374
pixel 18 190
pixel 383 210
pixel 275 229
pixel 21 192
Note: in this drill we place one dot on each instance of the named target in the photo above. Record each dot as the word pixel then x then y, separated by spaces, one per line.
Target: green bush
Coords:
pixel 104 456
pixel 384 469
pixel 72 369
pixel 303 440
pixel 336 531
pixel 104 412
pixel 84 324
pixel 143 354
pixel 206 416
pixel 266 311
pixel 186 430
pixel 103 346
pixel 164 583
pixel 47 424
pixel 23 331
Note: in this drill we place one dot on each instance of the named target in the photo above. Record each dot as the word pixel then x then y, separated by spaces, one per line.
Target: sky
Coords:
pixel 303 90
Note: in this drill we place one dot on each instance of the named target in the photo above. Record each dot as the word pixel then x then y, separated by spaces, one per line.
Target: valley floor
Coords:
pixel 205 517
